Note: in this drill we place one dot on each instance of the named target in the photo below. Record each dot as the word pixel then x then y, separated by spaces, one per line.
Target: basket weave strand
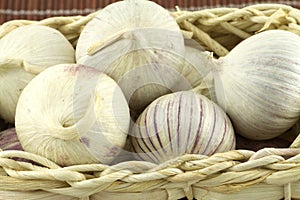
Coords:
pixel 227 172
pixel 238 174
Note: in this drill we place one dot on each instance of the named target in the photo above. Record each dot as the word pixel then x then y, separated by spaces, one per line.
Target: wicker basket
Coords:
pixel 270 173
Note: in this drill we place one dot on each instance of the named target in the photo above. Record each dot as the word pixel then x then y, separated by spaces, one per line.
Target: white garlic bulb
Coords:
pixel 24 52
pixel 179 123
pixel 73 114
pixel 258 84
pixel 139 44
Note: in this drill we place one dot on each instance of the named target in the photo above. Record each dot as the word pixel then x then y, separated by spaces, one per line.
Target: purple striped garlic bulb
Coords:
pixel 9 140
pixel 181 123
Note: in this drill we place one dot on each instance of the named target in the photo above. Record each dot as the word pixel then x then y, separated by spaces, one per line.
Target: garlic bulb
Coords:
pixel 24 52
pixel 73 114
pixel 179 123
pixel 139 44
pixel 9 140
pixel 258 83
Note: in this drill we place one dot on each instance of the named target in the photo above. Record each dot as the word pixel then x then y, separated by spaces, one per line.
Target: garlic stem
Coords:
pixel 17 62
pixel 34 69
pixel 10 62
pixel 101 44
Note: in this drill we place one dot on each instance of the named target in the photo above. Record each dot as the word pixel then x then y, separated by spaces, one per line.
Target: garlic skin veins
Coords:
pixel 139 44
pixel 258 83
pixel 25 52
pixel 179 123
pixel 78 115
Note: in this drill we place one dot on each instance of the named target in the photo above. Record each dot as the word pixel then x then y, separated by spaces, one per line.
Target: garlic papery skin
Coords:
pixel 9 140
pixel 197 68
pixel 258 84
pixel 78 115
pixel 140 45
pixel 181 123
pixel 24 52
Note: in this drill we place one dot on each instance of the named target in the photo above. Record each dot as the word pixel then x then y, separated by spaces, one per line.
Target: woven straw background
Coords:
pixel 40 9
